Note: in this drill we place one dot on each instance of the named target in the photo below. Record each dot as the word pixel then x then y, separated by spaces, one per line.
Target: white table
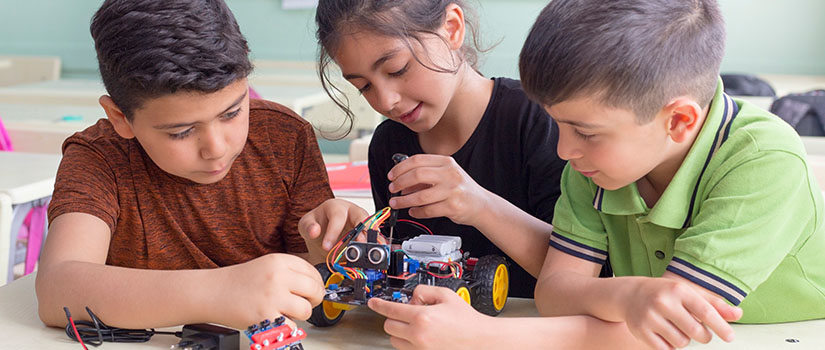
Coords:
pixel 359 329
pixel 24 177
pixel 42 128
pixel 83 92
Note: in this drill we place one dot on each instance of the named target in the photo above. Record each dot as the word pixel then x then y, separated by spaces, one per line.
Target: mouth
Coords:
pixel 412 115
pixel 585 173
pixel 218 171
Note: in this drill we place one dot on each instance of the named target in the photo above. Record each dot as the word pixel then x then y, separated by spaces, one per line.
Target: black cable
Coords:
pixel 96 332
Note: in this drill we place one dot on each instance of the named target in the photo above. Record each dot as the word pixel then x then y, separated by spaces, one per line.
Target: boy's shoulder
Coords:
pixel 755 130
pixel 100 137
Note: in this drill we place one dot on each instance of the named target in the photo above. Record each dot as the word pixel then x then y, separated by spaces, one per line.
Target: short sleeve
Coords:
pixel 751 219
pixel 577 226
pixel 85 183
pixel 309 189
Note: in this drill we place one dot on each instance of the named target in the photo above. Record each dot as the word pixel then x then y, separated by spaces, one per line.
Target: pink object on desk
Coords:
pixel 5 140
pixel 349 176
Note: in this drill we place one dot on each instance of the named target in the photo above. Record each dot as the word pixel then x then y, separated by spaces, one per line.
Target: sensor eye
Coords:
pixel 377 255
pixel 352 254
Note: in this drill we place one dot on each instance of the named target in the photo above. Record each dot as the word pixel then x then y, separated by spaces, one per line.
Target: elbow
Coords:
pixel 543 298
pixel 48 310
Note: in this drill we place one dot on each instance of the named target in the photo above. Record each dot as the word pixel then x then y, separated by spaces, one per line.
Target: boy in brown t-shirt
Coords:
pixel 178 207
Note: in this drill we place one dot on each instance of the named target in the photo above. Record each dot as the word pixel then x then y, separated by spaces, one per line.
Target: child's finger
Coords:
pixel 420 198
pixel 296 307
pixel 431 295
pixel 393 310
pixel 396 328
pixel 673 335
pixel 335 227
pixel 691 326
pixel 728 312
pixel 706 313
pixel 401 343
pixel 416 161
pixel 653 340
pixel 307 288
pixel 309 227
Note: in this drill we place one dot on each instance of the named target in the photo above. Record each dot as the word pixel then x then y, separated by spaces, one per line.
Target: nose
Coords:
pixel 386 98
pixel 568 147
pixel 212 142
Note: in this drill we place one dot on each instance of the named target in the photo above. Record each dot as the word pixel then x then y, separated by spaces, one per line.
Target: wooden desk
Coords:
pixel 359 329
pixel 24 177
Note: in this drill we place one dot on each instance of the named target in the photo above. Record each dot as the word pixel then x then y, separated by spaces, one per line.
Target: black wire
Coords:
pixel 96 332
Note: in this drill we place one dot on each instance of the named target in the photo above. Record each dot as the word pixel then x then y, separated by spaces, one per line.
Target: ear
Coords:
pixel 122 125
pixel 454 26
pixel 683 116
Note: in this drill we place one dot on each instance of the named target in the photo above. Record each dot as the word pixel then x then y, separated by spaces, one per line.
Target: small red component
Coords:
pixel 276 338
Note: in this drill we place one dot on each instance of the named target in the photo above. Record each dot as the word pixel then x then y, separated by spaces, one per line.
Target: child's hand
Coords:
pixel 335 216
pixel 667 313
pixel 436 186
pixel 265 288
pixel 436 318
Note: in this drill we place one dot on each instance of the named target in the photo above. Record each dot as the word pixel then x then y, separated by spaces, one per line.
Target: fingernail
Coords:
pixel 326 245
pixel 392 202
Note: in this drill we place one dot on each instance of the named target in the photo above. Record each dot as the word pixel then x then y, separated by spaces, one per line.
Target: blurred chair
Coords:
pixel 28 69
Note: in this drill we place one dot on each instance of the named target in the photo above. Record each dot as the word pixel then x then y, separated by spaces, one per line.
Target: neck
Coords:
pixel 464 111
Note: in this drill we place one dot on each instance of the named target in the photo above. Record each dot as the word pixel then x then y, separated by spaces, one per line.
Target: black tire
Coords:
pixel 296 347
pixel 319 317
pixel 455 284
pixel 484 274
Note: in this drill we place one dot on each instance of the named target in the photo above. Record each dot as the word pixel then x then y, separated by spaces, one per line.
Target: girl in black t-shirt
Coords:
pixel 483 163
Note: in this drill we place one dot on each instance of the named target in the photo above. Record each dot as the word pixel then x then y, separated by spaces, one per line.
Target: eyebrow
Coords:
pixel 180 125
pixel 386 56
pixel 578 123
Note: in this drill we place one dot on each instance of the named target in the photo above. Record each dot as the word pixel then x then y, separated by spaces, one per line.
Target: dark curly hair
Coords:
pixel 152 48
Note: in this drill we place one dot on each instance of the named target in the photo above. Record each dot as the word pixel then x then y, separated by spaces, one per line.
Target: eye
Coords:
pixel 364 89
pixel 583 136
pixel 401 71
pixel 182 134
pixel 231 115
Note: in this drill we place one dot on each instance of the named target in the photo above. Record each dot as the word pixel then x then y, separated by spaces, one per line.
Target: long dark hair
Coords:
pixel 404 19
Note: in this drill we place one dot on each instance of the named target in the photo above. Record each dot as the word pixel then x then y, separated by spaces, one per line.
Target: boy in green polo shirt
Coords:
pixel 694 198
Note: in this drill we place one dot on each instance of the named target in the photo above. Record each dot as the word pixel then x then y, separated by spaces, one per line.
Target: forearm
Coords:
pixel 567 293
pixel 568 332
pixel 518 234
pixel 124 297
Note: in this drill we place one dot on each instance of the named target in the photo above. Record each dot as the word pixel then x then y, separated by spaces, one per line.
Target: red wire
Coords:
pixel 76 334
pixel 416 223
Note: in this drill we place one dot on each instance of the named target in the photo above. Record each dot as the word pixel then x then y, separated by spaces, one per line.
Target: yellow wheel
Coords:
pixel 328 313
pixel 464 293
pixel 501 286
pixel 459 286
pixel 493 284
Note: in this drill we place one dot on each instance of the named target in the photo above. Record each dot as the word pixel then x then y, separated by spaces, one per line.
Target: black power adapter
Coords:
pixel 204 336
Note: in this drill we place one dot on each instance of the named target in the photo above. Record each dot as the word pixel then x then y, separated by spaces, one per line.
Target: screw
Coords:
pixel 792 340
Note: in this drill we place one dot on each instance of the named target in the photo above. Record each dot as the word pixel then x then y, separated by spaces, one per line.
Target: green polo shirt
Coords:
pixel 742 218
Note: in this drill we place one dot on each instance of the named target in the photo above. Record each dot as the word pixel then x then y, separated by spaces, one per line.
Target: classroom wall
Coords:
pixel 764 36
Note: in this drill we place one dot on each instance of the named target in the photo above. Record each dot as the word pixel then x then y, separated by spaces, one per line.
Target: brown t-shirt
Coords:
pixel 161 221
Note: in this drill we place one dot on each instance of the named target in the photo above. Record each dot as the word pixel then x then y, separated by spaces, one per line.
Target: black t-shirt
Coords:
pixel 512 153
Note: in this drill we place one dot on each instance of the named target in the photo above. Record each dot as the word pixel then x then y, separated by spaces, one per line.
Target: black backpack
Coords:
pixel 804 111
pixel 746 85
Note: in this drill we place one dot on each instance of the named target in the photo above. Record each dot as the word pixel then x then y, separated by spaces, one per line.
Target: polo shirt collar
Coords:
pixel 674 207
